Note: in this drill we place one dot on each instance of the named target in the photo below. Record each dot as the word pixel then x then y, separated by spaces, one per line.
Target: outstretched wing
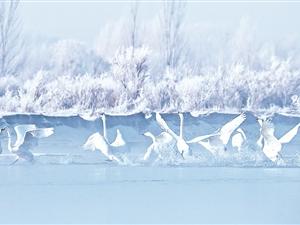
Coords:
pixel 289 135
pixel 201 138
pixel 29 142
pixel 21 131
pixel 96 141
pixel 162 123
pixel 227 130
pixel 119 141
pixel 42 132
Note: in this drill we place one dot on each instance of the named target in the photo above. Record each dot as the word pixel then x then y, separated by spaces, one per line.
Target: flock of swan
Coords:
pixel 164 144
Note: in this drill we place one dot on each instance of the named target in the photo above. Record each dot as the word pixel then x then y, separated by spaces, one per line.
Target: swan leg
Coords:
pixel 148 153
pixel 116 159
pixel 182 155
pixel 279 158
pixel 14 162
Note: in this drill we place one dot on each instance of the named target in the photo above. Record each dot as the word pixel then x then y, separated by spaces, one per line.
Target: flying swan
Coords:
pixel 271 145
pixel 216 142
pixel 181 144
pixel 27 139
pixel 100 142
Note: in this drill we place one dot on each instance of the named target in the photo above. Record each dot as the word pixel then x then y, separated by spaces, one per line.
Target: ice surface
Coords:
pixel 109 194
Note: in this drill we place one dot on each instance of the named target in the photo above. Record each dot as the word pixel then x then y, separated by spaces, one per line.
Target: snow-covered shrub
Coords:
pixel 130 69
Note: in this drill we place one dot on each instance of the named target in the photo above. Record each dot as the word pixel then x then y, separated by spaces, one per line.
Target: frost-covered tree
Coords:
pixel 131 71
pixel 172 40
pixel 10 39
pixel 74 58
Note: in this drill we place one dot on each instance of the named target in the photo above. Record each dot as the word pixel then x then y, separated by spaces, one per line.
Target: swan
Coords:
pixel 1 131
pixel 216 142
pixel 238 139
pixel 3 125
pixel 271 146
pixel 181 144
pixel 100 142
pixel 27 139
pixel 160 143
pixel 259 142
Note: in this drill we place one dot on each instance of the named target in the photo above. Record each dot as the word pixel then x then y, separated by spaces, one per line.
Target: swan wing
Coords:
pixel 42 132
pixel 227 130
pixel 162 123
pixel 29 142
pixel 96 141
pixel 119 141
pixel 289 135
pixel 202 138
pixel 21 131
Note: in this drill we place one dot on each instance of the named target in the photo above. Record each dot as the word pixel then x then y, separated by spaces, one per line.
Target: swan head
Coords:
pixel 3 126
pixel 260 121
pixel 148 134
pixel 239 130
pixel 148 115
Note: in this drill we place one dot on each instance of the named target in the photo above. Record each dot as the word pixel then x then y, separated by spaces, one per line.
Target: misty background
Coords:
pixel 168 56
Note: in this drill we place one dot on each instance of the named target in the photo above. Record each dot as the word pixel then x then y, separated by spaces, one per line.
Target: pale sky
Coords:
pixel 83 20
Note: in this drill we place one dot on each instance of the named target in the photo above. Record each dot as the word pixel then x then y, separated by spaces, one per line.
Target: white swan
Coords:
pixel 259 142
pixel 100 142
pixel 271 145
pixel 3 125
pixel 238 139
pixel 160 144
pixel 181 144
pixel 27 139
pixel 216 142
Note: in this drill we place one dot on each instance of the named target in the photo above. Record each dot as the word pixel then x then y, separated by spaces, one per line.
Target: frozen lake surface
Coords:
pixel 109 194
pixel 67 184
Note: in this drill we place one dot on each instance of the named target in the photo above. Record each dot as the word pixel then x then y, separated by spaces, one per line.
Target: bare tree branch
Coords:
pixel 10 38
pixel 171 22
pixel 133 29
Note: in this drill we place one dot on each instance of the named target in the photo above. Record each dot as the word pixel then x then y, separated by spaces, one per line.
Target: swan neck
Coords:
pixel 152 137
pixel 243 134
pixel 9 147
pixel 104 127
pixel 181 126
